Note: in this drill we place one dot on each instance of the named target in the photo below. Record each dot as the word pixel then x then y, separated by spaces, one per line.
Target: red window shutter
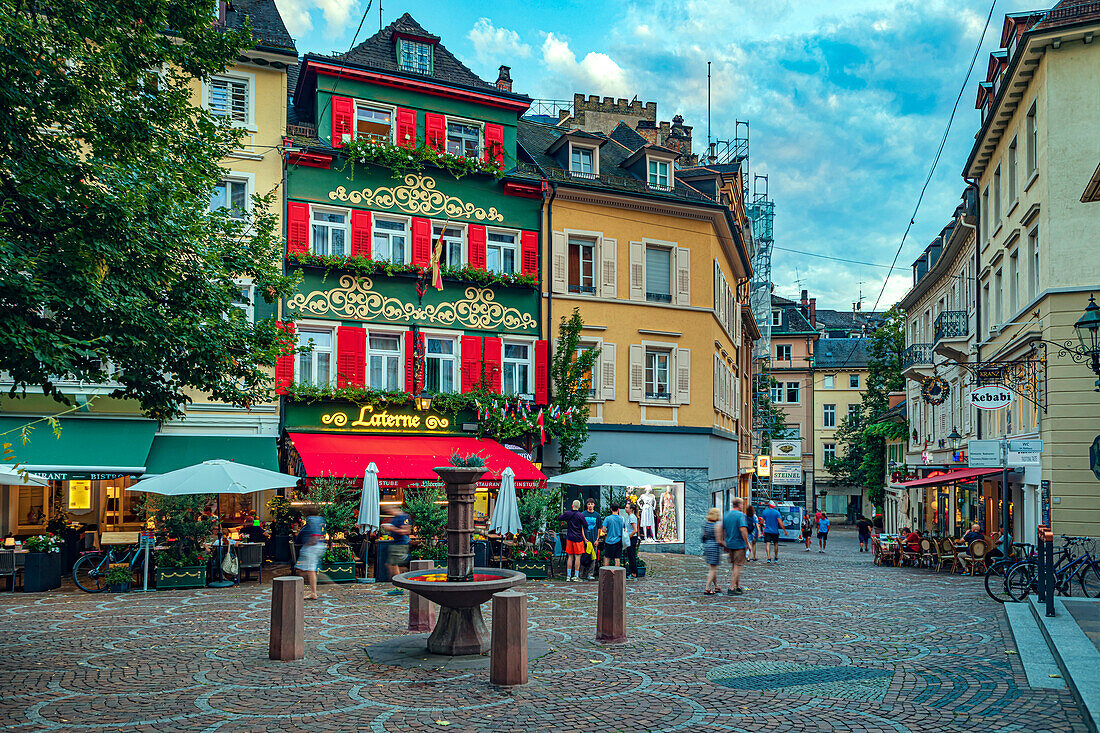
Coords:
pixel 475 233
pixel 284 365
pixel 435 131
pixel 343 113
pixel 297 228
pixel 421 242
pixel 412 386
pixel 471 363
pixel 494 144
pixel 542 372
pixel 351 356
pixel 406 127
pixel 493 362
pixel 360 233
pixel 529 253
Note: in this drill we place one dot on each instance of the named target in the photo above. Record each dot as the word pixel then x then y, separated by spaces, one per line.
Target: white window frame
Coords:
pixel 853 377
pixel 400 336
pixel 1031 134
pixel 826 449
pixel 455 357
pixel 463 240
pixel 249 79
pixel 377 107
pixel 655 183
pixel 249 307
pixel 375 231
pixel 671 247
pixel 789 352
pixel 828 410
pixel 314 327
pixel 828 382
pixel 853 410
pixel 529 344
pixel 595 151
pixel 797 390
pixel 1013 173
pixel 463 121
pixel 313 209
pixel 668 351
pixel 249 181
pixel 517 265
pixel 581 241
pixel 589 344
pixel 777 318
pixel 400 56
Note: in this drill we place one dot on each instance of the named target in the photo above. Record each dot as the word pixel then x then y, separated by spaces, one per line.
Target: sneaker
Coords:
pixel 731 592
pixel 738 592
pixel 807 549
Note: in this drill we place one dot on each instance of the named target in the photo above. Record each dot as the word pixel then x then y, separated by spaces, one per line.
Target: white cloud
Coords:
pixel 295 15
pixel 338 15
pixel 492 44
pixel 596 73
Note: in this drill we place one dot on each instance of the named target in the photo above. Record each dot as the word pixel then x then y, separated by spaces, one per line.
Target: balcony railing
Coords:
pixel 952 324
pixel 916 354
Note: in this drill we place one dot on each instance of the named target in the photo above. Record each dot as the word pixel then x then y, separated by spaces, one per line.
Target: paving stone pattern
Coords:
pixel 818 643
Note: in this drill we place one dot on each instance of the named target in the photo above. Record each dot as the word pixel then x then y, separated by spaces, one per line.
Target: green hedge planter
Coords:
pixel 337 572
pixel 193 576
pixel 533 569
pixel 42 571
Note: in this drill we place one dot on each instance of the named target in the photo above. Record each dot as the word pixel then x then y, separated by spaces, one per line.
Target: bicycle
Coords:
pixel 1023 579
pixel 996 576
pixel 90 569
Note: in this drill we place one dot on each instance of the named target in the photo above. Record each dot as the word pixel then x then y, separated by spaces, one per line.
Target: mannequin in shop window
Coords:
pixel 648 522
pixel 666 530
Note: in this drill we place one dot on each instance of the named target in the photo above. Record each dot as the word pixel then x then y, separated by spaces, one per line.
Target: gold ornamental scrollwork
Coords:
pixel 420 196
pixel 356 300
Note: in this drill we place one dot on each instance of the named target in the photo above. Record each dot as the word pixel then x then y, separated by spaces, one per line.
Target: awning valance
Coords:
pixel 170 452
pixel 86 447
pixel 407 459
pixel 963 474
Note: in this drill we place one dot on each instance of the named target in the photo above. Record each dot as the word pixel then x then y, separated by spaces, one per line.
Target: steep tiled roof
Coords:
pixel 780 300
pixel 1071 12
pixel 378 52
pixel 793 322
pixel 833 320
pixel 841 353
pixel 626 136
pixel 267 24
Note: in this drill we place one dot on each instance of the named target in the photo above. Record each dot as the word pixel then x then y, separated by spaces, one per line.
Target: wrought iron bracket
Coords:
pixel 1024 377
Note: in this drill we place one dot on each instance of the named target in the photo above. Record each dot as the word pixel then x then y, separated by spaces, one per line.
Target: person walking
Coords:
pixel 807 531
pixel 754 532
pixel 591 533
pixel 399 527
pixel 773 522
pixel 613 526
pixel 313 548
pixel 631 540
pixel 711 552
pixel 822 532
pixel 863 526
pixel 735 538
pixel 574 540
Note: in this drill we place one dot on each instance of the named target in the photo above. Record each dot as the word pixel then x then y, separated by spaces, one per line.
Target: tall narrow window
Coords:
pixel 777 393
pixel 777 318
pixel 997 197
pixel 792 392
pixel 516 369
pixel 452 244
pixel 999 298
pixel 830 451
pixel 388 242
pixel 464 139
pixel 853 414
pixel 373 123
pixel 330 233
pixel 440 365
pixel 658 173
pixel 582 162
pixel 656 375
pixel 1013 163
pixel 228 97
pixel 501 252
pixel 588 383
pixel 582 266
pixel 989 319
pixel 658 274
pixel 1013 282
pixel 985 213
pixel 384 361
pixel 782 352
pixel 1033 255
pixel 828 416
pixel 1032 131
pixel 315 366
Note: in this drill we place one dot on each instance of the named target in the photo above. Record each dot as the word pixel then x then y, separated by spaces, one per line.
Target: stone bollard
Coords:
pixel 611 606
pixel 508 655
pixel 421 610
pixel 287 641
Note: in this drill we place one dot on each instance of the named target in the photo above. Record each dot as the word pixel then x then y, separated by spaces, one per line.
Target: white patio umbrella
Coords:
pixel 505 519
pixel 369 510
pixel 215 477
pixel 610 474
pixel 10 476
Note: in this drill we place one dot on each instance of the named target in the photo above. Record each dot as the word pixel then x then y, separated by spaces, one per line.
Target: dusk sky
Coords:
pixel 846 100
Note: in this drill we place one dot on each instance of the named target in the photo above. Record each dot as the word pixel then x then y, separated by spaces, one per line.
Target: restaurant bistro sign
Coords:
pixel 349 418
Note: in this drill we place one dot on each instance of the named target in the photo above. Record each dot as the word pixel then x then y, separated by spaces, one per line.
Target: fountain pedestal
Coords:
pixel 459 627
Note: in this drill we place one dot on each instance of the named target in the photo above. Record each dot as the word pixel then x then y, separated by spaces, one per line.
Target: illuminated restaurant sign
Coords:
pixel 348 418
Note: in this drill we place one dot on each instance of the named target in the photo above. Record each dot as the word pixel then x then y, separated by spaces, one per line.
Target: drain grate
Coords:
pixel 848 683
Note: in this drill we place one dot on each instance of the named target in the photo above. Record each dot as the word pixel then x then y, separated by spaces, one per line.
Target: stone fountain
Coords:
pixel 459 629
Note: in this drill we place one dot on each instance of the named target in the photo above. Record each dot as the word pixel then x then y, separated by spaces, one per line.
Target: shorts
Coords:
pixel 309 558
pixel 574 548
pixel 737 557
pixel 771 537
pixel 823 536
pixel 612 550
pixel 397 555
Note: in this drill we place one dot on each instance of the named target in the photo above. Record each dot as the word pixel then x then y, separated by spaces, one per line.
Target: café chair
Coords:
pixel 250 556
pixel 9 568
pixel 975 556
pixel 908 556
pixel 929 553
pixel 361 559
pixel 948 554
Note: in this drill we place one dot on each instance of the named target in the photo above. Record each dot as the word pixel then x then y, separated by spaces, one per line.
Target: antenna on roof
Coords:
pixel 708 119
pixel 379 24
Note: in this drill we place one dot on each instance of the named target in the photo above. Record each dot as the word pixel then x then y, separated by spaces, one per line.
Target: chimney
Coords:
pixel 504 79
pixel 813 312
pixel 805 294
pixel 895 399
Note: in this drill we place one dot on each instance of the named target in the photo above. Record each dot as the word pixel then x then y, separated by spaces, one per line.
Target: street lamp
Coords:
pixel 1088 333
pixel 423 401
pixel 954 437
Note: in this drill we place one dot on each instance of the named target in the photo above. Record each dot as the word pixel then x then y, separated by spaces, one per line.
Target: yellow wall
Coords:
pixel 840 395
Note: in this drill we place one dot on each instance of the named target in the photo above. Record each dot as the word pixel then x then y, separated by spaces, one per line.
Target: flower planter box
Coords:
pixel 192 576
pixel 641 570
pixel 280 547
pixel 337 572
pixel 119 587
pixel 533 569
pixel 42 572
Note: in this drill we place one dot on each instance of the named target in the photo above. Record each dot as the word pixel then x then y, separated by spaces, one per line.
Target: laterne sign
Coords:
pixel 991 397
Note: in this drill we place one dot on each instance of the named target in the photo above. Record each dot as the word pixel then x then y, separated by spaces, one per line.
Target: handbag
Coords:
pixel 230 564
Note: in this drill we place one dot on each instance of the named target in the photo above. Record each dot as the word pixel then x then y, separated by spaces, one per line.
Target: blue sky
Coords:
pixel 846 99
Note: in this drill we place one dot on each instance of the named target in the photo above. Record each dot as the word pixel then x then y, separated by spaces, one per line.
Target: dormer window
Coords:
pixel 582 162
pixel 414 56
pixel 659 174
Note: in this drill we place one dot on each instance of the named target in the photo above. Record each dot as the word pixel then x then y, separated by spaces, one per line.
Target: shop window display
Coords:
pixel 661 514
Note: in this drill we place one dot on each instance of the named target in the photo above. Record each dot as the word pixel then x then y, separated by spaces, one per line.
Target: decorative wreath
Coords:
pixel 934 390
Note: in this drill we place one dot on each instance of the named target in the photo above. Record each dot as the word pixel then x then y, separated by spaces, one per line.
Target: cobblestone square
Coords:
pixel 817 643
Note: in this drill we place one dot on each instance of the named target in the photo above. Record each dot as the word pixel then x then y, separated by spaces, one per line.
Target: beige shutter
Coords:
pixel 683 376
pixel 637 271
pixel 607 371
pixel 683 275
pixel 559 256
pixel 608 268
pixel 637 372
pixel 737 326
pixel 717 292
pixel 717 395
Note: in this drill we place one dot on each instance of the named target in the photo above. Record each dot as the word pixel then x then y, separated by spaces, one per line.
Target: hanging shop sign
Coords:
pixel 992 397
pixel 334 417
pixel 786 474
pixel 985 453
pixel 763 466
pixel 787 450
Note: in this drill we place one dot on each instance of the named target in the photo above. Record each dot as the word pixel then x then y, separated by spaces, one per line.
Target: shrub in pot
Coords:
pixel 42 569
pixel 119 579
pixel 181 527
pixel 337 501
pixel 283 517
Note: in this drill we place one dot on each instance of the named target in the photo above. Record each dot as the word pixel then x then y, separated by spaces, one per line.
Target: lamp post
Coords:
pixel 954 437
pixel 1088 334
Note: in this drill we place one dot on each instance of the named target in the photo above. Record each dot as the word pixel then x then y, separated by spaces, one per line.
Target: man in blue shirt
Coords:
pixel 592 530
pixel 822 531
pixel 613 539
pixel 734 536
pixel 773 522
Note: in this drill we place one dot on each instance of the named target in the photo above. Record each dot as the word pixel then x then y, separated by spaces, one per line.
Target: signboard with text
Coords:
pixel 985 453
pixel 992 397
pixel 787 450
pixel 786 474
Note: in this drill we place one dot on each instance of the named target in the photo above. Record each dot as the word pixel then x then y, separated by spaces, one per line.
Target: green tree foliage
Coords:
pixel 571 373
pixel 179 522
pixel 108 251
pixel 772 419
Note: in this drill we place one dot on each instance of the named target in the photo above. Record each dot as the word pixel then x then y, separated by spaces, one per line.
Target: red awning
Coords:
pixel 405 459
pixel 963 474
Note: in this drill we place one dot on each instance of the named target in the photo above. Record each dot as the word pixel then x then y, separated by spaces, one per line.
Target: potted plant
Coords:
pixel 428 515
pixel 119 578
pixel 531 561
pixel 283 516
pixel 181 527
pixel 42 570
pixel 337 502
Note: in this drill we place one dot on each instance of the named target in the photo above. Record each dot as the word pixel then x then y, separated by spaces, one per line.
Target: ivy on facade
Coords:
pixel 359 265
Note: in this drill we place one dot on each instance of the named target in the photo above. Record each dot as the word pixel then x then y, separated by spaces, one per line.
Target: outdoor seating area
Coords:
pixel 931 552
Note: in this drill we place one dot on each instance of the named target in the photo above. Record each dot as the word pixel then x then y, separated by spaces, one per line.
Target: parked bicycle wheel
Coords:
pixel 1021 581
pixel 90 572
pixel 996 579
pixel 1089 578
